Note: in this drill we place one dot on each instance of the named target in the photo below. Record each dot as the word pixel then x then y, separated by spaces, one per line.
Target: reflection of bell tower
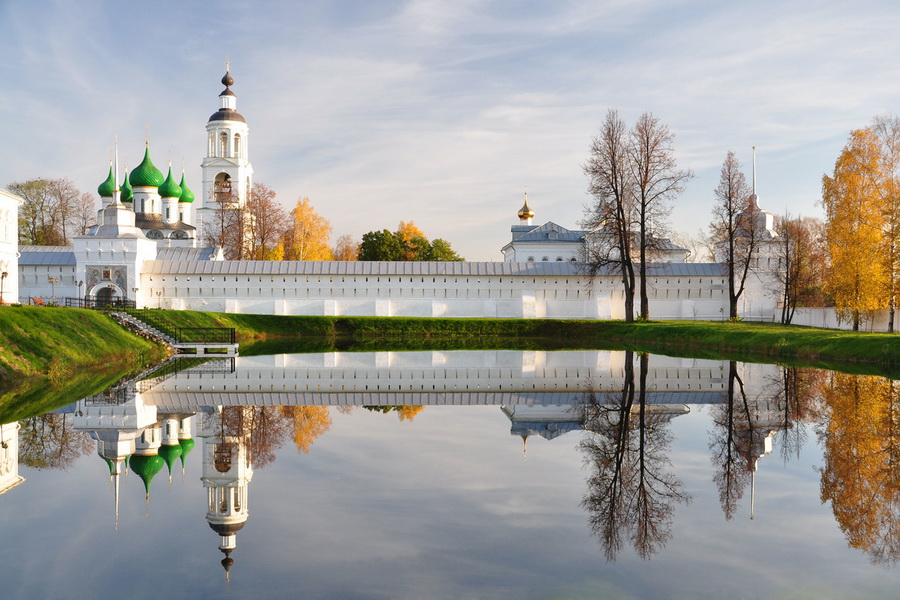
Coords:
pixel 227 172
pixel 226 475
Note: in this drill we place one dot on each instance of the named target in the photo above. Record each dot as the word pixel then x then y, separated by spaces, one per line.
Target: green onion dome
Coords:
pixel 126 190
pixel 170 454
pixel 146 467
pixel 108 187
pixel 146 174
pixel 170 189
pixel 186 194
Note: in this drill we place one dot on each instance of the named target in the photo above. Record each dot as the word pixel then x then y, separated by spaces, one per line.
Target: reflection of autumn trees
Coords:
pixel 267 428
pixel 309 423
pixel 50 441
pixel 630 493
pixel 404 413
pixel 861 476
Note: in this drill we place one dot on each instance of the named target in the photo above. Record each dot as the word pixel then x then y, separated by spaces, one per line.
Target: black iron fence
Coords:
pixel 204 335
pixel 98 304
pixel 185 335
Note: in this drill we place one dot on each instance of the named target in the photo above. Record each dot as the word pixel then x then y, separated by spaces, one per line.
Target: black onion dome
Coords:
pixel 226 529
pixel 227 114
pixel 227 80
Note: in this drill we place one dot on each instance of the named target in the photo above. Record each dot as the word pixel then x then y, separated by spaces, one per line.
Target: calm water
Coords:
pixel 461 475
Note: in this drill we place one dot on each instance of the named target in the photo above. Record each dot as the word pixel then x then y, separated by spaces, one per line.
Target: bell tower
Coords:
pixel 227 172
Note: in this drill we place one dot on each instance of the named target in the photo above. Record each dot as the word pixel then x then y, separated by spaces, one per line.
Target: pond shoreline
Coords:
pixel 64 352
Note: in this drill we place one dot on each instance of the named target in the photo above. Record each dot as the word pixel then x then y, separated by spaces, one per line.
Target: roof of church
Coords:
pixel 154 221
pixel 550 232
pixel 186 254
pixel 46 255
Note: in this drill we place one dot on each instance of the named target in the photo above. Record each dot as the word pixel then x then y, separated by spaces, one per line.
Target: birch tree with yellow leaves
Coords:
pixel 854 222
pixel 308 235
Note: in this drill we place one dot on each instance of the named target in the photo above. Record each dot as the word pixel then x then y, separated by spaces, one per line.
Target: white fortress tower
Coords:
pixel 227 172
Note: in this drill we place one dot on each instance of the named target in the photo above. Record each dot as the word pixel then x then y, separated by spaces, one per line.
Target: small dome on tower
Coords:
pixel 170 189
pixel 227 80
pixel 146 174
pixel 108 187
pixel 186 194
pixel 525 212
pixel 126 189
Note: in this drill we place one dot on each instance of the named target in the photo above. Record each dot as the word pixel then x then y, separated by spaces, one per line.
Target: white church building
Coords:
pixel 146 248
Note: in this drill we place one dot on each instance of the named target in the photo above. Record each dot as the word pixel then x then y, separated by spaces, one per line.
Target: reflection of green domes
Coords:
pixel 186 446
pixel 107 188
pixel 146 467
pixel 146 174
pixel 127 192
pixel 170 189
pixel 170 454
pixel 186 194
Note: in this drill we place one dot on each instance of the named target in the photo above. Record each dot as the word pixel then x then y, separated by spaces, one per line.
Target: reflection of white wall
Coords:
pixel 285 378
pixel 9 457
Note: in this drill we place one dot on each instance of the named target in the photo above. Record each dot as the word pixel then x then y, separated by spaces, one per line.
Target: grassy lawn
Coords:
pixel 52 356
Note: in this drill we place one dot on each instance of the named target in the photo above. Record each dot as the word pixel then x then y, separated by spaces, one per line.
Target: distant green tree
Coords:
pixel 379 245
pixel 401 246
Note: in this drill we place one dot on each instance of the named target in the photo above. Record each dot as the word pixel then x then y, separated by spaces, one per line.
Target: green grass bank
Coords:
pixel 876 353
pixel 52 356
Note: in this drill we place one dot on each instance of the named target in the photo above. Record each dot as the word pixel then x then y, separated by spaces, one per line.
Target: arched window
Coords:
pixel 545 259
pixel 179 235
pixel 155 234
pixel 211 150
pixel 237 145
pixel 530 259
pixel 223 144
pixel 559 259
pixel 222 188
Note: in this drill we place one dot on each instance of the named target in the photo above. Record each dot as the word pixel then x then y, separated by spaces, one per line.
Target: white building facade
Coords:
pixel 9 250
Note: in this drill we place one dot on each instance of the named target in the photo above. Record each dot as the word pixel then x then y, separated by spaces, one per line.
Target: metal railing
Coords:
pixel 98 304
pixel 186 335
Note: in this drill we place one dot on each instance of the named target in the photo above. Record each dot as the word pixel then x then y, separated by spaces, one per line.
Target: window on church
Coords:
pixel 223 144
pixel 237 145
pixel 222 188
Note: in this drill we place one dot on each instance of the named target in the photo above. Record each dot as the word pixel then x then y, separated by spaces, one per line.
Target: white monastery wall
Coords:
pixel 501 290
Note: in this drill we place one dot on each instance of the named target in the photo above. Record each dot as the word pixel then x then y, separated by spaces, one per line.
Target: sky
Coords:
pixel 443 112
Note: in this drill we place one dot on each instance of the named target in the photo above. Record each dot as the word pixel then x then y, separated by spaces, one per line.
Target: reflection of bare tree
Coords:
pixel 50 441
pixel 733 428
pixel 630 492
pixel 800 389
pixel 265 427
pixel 861 476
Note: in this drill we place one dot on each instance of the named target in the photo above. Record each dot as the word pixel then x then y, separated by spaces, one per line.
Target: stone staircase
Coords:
pixel 143 329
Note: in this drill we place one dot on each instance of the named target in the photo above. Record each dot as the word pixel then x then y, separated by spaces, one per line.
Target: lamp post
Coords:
pixel 158 299
pixel 80 295
pixel 134 291
pixel 53 281
pixel 3 277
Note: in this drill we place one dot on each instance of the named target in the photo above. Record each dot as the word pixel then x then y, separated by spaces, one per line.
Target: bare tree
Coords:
pixel 800 254
pixel 656 181
pixel 49 214
pixel 346 248
pixel 734 226
pixel 266 222
pixel 611 216
pixel 86 216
